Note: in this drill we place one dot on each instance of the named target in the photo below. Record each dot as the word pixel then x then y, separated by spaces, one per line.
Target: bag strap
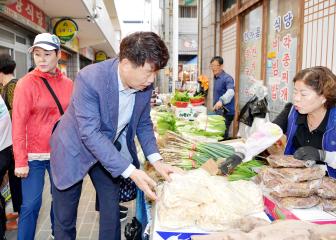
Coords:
pixel 53 95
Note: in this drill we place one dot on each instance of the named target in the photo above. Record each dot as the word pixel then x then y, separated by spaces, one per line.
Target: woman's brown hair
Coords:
pixel 322 80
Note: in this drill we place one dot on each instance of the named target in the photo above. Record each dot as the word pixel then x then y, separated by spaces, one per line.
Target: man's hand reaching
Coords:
pixel 164 169
pixel 145 183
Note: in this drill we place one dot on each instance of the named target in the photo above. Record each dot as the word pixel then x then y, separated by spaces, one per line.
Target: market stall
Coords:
pixel 205 204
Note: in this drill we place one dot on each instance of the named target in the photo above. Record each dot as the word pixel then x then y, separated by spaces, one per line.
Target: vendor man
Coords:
pixel 223 92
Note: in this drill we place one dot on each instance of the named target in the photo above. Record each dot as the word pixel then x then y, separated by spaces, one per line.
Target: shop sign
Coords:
pixel 26 13
pixel 6 2
pixel 87 52
pixel 287 20
pixel 73 44
pixel 250 65
pixel 252 35
pixel 187 3
pixel 281 62
pixel 65 29
pixel 100 56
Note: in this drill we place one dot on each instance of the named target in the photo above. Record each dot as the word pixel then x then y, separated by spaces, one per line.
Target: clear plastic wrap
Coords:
pixel 293 189
pixel 296 174
pixel 297 202
pixel 328 204
pixel 287 161
pixel 327 188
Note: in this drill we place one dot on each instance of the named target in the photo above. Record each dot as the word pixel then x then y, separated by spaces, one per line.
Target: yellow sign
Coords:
pixel 271 55
pixel 65 29
pixel 100 56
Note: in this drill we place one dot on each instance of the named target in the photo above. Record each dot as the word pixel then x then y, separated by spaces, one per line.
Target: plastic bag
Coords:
pixel 281 160
pixel 328 188
pixel 298 174
pixel 297 202
pixel 264 136
pixel 245 115
pixel 255 112
pixel 133 230
pixel 328 204
pixel 301 189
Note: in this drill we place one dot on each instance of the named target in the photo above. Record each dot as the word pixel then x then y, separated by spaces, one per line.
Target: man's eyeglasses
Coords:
pixel 214 65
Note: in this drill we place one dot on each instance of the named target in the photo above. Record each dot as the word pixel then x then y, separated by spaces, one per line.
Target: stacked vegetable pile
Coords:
pixel 181 152
pixel 205 128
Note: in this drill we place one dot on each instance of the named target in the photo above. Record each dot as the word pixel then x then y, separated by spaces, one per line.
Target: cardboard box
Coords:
pixel 314 214
pixel 159 233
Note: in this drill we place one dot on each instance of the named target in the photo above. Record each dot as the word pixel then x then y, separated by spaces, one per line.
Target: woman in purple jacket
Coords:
pixel 310 122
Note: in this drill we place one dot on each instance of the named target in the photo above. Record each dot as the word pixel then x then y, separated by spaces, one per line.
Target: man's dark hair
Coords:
pixel 219 59
pixel 142 47
pixel 7 64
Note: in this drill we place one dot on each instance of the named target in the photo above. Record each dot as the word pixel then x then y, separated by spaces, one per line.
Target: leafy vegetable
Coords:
pixel 244 171
pixel 166 121
pixel 180 97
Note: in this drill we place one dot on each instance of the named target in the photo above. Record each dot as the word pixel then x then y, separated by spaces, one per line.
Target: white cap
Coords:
pixel 46 41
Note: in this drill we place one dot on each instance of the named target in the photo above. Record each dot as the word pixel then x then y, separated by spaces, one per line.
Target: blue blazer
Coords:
pixel 87 129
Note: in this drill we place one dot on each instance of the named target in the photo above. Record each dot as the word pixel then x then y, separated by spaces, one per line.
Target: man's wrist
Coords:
pixel 152 158
pixel 129 170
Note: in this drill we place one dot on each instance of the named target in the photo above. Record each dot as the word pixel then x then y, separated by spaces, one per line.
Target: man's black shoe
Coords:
pixel 123 216
pixel 123 209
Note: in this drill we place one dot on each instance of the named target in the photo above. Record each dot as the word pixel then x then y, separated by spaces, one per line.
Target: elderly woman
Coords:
pixel 310 122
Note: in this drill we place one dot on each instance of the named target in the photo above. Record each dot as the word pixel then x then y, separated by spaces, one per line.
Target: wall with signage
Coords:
pixel 26 13
pixel 282 43
pixel 292 35
pixel 250 53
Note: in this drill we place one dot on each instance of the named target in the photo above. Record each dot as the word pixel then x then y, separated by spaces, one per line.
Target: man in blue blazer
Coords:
pixel 110 103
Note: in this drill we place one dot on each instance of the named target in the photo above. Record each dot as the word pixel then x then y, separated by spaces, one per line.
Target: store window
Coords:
pixel 187 11
pixel 7 36
pixel 229 48
pixel 16 44
pixel 83 62
pixel 228 5
pixel 21 40
pixel 21 64
pixel 319 38
pixel 250 53
pixel 281 62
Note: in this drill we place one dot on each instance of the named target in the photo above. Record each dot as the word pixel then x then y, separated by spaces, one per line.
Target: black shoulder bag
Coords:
pixel 56 100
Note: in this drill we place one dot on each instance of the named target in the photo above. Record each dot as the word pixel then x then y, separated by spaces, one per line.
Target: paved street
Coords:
pixel 87 221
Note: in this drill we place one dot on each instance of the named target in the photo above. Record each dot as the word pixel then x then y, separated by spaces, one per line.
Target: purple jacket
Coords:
pixel 87 129
pixel 329 137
